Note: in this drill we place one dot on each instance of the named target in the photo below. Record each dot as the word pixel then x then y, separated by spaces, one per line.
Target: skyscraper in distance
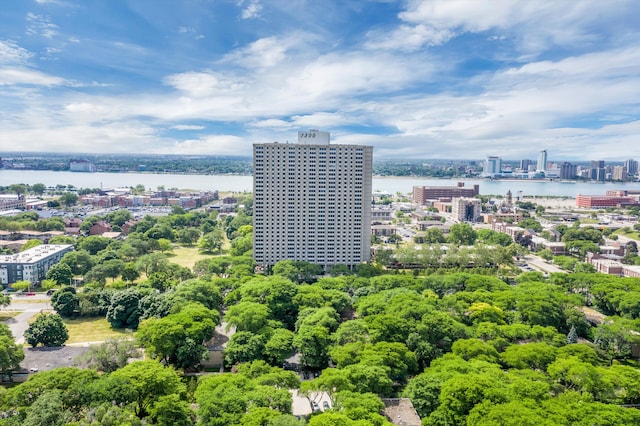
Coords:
pixel 541 166
pixel 492 166
pixel 312 201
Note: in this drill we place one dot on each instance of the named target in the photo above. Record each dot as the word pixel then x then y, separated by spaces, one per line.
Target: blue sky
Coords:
pixel 458 79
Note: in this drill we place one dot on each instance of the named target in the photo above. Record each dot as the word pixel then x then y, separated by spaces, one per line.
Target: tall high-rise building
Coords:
pixel 541 165
pixel 631 166
pixel 312 201
pixel 598 172
pixel 492 166
pixel 524 165
pixel 568 171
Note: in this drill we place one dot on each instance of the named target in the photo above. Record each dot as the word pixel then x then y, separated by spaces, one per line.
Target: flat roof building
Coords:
pixel 423 193
pixel 31 265
pixel 312 201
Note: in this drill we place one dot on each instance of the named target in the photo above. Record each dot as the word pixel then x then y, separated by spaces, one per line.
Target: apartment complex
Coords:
pixel 312 201
pixel 423 193
pixel 31 265
pixel 466 209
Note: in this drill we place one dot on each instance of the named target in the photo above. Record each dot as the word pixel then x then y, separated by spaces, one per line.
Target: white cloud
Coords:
pixel 213 144
pixel 40 25
pixel 187 127
pixel 11 53
pixel 198 84
pixel 535 25
pixel 262 53
pixel 251 9
pixel 9 76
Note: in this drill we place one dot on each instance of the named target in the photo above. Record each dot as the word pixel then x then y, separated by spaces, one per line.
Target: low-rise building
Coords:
pixel 31 265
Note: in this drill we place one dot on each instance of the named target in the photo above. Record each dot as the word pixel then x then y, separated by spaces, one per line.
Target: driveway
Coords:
pixel 28 306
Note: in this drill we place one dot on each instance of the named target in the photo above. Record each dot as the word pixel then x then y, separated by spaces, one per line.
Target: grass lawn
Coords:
pixel 91 330
pixel 5 315
pixel 186 256
pixel 634 235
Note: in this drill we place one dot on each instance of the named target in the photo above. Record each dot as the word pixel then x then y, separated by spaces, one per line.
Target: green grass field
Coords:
pixel 634 235
pixel 91 330
pixel 186 256
pixel 5 315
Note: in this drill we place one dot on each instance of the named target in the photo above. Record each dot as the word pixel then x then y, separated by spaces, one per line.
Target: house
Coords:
pixel 100 228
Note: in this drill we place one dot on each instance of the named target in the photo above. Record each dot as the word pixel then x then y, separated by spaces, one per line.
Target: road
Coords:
pixel 541 265
pixel 28 306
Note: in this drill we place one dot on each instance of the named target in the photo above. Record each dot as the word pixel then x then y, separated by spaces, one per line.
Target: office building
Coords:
pixel 421 194
pixel 492 166
pixel 620 173
pixel 81 166
pixel 597 171
pixel 632 167
pixel 568 171
pixel 31 265
pixel 541 165
pixel 524 165
pixel 312 201
pixel 603 201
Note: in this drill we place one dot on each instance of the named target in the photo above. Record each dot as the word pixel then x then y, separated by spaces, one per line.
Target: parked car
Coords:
pixel 325 405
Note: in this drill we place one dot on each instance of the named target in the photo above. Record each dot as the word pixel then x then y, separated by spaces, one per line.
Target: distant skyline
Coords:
pixel 440 79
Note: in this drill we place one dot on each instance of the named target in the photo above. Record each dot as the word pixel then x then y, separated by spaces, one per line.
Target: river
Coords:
pixel 237 183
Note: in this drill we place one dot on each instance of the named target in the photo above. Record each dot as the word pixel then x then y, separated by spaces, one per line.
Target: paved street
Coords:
pixel 29 306
pixel 541 265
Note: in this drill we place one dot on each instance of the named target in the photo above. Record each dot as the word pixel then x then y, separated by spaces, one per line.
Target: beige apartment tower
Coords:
pixel 312 201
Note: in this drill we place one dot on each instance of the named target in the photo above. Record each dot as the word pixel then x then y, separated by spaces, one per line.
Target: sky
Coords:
pixel 431 79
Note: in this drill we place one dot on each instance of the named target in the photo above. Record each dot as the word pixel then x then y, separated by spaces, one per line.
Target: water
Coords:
pixel 236 183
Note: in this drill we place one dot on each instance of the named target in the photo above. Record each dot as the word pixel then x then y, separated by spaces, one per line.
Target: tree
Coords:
pixel 188 236
pixel 312 341
pixel 93 244
pixel 5 300
pixel 247 316
pixel 434 236
pixel 241 245
pixel 48 330
pixel 123 311
pixel 535 355
pixel 60 273
pixel 48 409
pixel 110 355
pixel 462 234
pixel 38 188
pixel 211 242
pixel 178 338
pixel 80 261
pixel 68 199
pixel 572 337
pixel 297 271
pixel 143 383
pixel 171 410
pixel 130 272
pixel 244 346
pixel 30 244
pixel 165 245
pixel 65 302
pixel 279 346
pixel 21 285
pixel 11 354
